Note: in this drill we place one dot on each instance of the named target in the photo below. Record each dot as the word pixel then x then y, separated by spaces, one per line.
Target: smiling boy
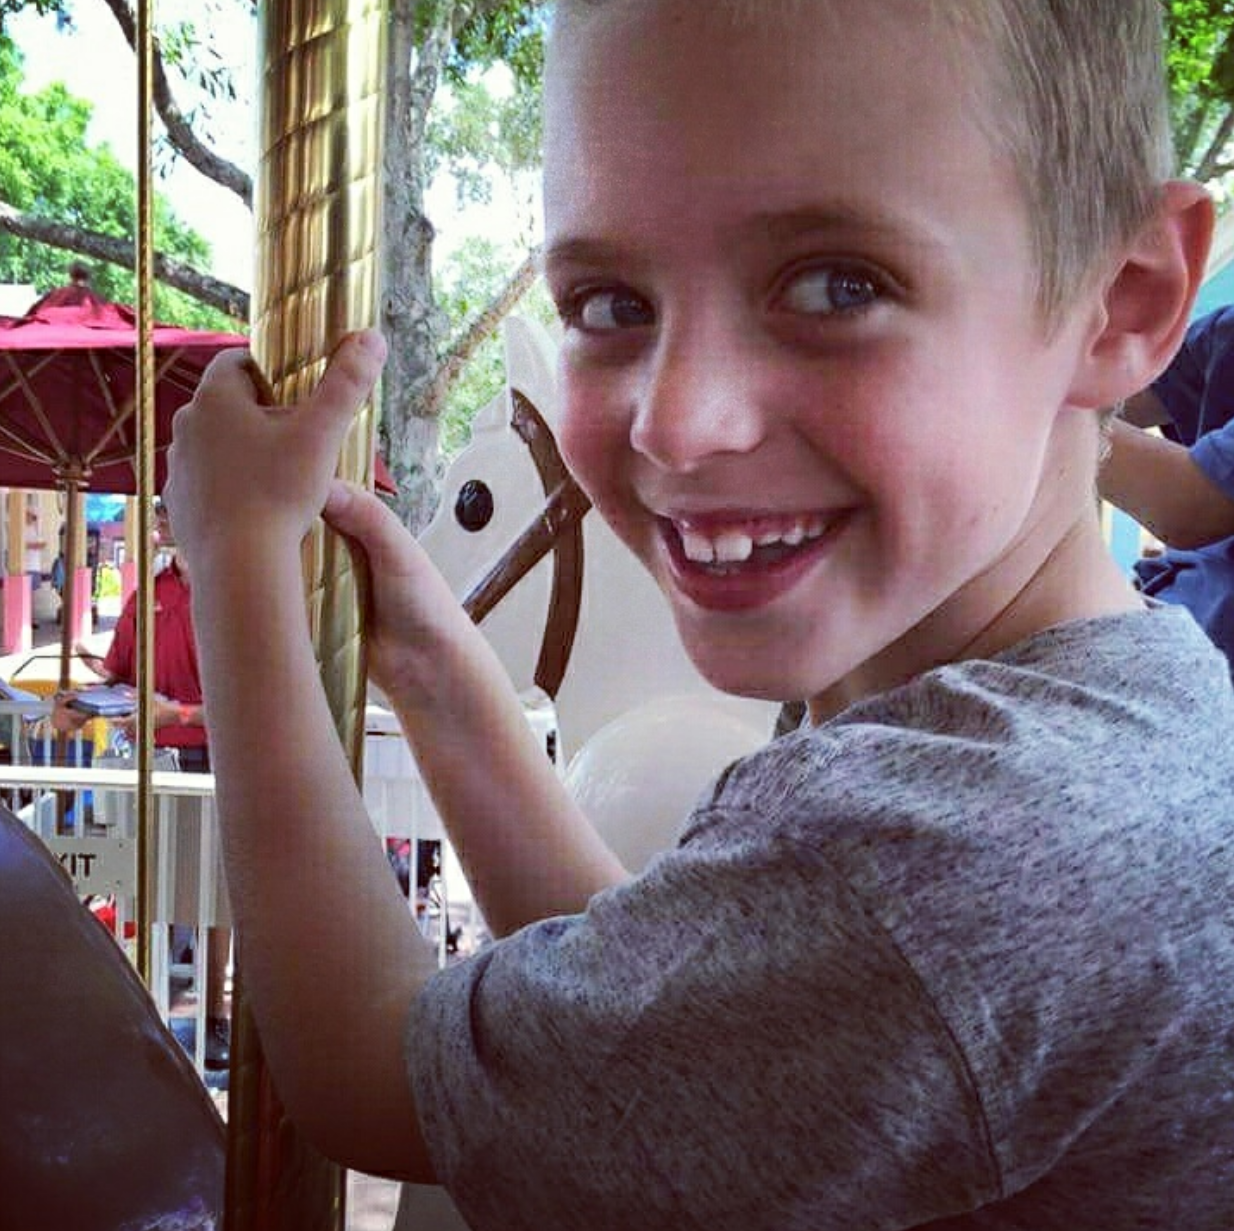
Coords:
pixel 844 285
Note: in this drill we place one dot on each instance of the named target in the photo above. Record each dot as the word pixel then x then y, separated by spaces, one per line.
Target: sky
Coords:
pixel 95 62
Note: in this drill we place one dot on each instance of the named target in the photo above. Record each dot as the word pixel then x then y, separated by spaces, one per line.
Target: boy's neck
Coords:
pixel 1078 579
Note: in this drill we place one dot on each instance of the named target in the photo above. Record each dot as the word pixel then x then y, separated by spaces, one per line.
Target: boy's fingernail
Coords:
pixel 365 339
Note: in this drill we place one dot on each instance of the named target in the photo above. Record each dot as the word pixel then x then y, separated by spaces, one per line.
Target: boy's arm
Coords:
pixel 1159 484
pixel 528 851
pixel 331 955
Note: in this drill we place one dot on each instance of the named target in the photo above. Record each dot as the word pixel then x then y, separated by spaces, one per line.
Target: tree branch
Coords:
pixel 431 52
pixel 179 131
pixel 480 328
pixel 1207 166
pixel 202 287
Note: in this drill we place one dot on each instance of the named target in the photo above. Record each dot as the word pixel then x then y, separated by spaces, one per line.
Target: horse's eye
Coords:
pixel 473 510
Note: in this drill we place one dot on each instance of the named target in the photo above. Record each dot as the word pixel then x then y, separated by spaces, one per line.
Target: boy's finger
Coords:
pixel 263 389
pixel 226 368
pixel 362 517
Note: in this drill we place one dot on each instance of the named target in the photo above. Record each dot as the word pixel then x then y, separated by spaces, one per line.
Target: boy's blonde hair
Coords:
pixel 1076 96
pixel 1079 103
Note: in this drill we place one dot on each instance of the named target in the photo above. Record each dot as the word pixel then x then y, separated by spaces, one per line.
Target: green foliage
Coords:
pixel 48 170
pixel 512 33
pixel 1200 65
pixel 487 119
pixel 480 131
pixel 42 7
pixel 468 282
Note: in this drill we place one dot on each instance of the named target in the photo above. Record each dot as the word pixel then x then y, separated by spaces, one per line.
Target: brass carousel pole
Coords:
pixel 317 213
pixel 145 481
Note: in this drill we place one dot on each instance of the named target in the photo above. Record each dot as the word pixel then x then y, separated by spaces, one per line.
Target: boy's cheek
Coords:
pixel 590 443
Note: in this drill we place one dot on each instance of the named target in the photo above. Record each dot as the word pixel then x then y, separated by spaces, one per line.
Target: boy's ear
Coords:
pixel 1147 302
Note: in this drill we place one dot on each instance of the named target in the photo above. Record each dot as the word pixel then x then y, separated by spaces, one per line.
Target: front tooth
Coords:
pixel 697 547
pixel 733 547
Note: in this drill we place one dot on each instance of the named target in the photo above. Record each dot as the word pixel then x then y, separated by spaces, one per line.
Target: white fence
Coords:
pixel 87 817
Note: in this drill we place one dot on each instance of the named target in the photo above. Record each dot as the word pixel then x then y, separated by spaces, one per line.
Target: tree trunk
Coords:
pixel 409 317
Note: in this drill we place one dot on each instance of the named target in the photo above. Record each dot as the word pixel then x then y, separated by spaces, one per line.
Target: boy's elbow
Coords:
pixel 377 1133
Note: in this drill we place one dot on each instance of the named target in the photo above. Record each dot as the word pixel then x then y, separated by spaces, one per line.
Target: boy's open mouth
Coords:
pixel 728 549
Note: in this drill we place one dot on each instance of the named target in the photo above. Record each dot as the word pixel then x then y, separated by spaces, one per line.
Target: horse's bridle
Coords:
pixel 558 527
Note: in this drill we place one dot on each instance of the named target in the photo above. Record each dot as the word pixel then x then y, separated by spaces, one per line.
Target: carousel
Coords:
pixel 107 1123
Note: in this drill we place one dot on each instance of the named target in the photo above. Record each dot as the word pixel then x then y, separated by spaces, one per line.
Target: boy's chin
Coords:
pixel 742 674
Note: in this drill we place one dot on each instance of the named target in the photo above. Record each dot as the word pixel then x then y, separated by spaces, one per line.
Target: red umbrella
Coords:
pixel 67 389
pixel 67 382
pixel 67 386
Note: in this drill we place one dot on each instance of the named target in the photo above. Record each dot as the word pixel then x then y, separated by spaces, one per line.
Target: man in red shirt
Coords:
pixel 178 719
pixel 178 723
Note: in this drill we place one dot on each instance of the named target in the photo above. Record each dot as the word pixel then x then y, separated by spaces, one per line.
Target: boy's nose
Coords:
pixel 697 402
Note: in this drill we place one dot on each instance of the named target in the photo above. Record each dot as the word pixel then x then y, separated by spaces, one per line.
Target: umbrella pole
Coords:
pixel 68 598
pixel 59 741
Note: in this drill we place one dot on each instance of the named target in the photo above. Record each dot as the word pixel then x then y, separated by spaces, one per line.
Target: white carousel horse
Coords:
pixel 568 608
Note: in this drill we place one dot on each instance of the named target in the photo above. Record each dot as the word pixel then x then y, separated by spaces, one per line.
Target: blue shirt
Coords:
pixel 1197 391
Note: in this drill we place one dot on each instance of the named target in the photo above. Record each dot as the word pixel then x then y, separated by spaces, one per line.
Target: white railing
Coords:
pixel 100 856
pixel 87 817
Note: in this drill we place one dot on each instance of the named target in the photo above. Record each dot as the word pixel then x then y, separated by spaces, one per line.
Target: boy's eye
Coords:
pixel 827 290
pixel 604 310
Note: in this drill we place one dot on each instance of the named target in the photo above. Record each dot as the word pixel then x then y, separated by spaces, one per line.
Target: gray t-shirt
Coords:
pixel 961 957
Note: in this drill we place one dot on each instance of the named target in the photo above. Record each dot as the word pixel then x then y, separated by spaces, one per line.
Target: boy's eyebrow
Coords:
pixel 843 219
pixel 580 249
pixel 779 225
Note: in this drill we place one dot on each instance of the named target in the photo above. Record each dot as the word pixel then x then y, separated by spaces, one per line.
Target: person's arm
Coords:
pixel 331 955
pixel 92 661
pixel 65 717
pixel 1159 484
pixel 1144 409
pixel 526 848
pixel 167 713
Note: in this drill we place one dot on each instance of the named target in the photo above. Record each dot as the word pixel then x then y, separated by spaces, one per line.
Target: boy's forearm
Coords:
pixel 528 851
pixel 1157 482
pixel 325 939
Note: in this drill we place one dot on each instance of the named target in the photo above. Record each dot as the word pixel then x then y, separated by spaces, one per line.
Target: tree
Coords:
pixel 1200 60
pixel 47 170
pixel 478 272
pixel 429 40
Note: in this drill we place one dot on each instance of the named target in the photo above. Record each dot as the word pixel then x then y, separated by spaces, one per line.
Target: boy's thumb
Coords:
pixel 350 375
pixel 360 516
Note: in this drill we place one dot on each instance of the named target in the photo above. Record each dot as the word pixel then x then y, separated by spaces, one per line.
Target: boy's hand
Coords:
pixel 240 467
pixel 413 611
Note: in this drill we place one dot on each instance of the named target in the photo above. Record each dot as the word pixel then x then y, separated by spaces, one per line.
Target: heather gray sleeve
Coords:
pixel 728 1042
